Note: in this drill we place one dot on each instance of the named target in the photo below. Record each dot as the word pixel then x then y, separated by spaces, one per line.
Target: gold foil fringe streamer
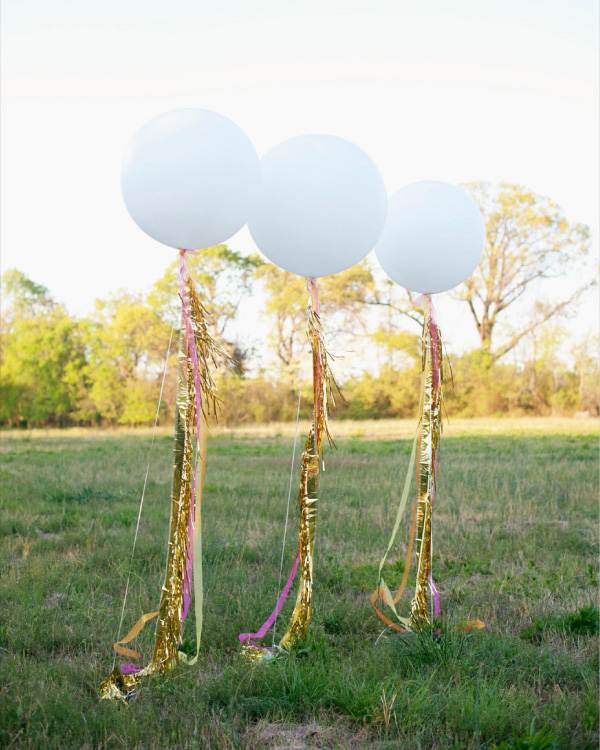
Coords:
pixel 119 686
pixel 428 439
pixel 323 394
pixel 323 388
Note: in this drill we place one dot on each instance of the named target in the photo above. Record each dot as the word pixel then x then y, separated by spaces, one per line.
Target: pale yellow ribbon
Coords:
pixel 130 653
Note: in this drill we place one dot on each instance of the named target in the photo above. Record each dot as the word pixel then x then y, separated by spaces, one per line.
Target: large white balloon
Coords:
pixel 189 178
pixel 321 207
pixel 433 238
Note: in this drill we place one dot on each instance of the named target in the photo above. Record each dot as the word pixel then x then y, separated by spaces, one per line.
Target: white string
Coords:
pixel 287 511
pixel 139 515
pixel 379 637
pixel 430 582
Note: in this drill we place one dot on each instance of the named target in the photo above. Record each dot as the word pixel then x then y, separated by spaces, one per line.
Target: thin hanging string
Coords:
pixel 141 506
pixel 287 510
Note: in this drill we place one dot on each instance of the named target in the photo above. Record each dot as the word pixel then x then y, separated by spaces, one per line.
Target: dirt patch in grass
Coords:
pixel 279 736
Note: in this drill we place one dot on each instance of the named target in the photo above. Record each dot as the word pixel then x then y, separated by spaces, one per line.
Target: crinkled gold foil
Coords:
pixel 323 384
pixel 118 686
pixel 429 438
pixel 168 628
pixel 253 653
pixel 307 500
pixel 169 625
pixel 209 352
pixel 424 459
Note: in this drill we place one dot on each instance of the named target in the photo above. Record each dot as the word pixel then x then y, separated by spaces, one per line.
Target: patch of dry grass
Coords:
pixel 370 429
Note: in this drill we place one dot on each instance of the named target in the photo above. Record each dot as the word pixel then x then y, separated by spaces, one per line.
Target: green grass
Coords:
pixel 514 545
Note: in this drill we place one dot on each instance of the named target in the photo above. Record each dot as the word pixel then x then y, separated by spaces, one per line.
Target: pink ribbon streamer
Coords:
pixel 314 293
pixel 191 346
pixel 129 668
pixel 264 628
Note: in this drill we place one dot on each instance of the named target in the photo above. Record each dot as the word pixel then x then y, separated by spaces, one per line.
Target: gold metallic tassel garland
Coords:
pixel 309 480
pixel 425 451
pixel 323 386
pixel 428 451
pixel 119 685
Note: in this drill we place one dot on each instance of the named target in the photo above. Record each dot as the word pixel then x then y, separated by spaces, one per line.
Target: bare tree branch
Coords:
pixel 550 313
pixel 528 240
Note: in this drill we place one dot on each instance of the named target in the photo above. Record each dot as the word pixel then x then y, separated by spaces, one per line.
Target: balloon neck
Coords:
pixel 424 301
pixel 313 288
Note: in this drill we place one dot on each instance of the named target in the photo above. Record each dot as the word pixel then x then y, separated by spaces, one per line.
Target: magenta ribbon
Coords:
pixel 191 346
pixel 264 628
pixel 129 668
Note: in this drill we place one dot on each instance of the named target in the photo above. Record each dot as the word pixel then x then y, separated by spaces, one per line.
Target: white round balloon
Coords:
pixel 189 178
pixel 321 207
pixel 433 238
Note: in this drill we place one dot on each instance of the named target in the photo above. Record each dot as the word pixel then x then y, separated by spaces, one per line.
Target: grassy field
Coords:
pixel 515 545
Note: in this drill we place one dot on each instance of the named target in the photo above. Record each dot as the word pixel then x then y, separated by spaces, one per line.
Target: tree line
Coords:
pixel 107 368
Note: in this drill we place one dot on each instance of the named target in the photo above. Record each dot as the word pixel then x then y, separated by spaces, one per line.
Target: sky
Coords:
pixel 502 90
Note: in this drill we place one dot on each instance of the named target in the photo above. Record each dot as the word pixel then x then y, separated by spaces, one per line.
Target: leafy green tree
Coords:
pixel 23 298
pixel 390 393
pixel 528 240
pixel 587 373
pixel 43 356
pixel 127 341
pixel 342 306
pixel 403 348
pixel 222 277
pixel 287 299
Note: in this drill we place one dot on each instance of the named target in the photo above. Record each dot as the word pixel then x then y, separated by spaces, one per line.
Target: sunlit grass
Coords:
pixel 515 545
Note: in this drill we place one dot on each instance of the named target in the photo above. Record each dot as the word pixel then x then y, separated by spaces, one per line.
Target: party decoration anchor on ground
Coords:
pixel 323 387
pixel 320 209
pixel 426 446
pixel 433 240
pixel 189 179
pixel 196 401
pixel 315 205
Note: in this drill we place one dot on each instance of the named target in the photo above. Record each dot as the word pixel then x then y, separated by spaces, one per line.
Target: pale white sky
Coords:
pixel 432 89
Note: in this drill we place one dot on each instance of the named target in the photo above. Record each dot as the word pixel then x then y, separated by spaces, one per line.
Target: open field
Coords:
pixel 515 545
